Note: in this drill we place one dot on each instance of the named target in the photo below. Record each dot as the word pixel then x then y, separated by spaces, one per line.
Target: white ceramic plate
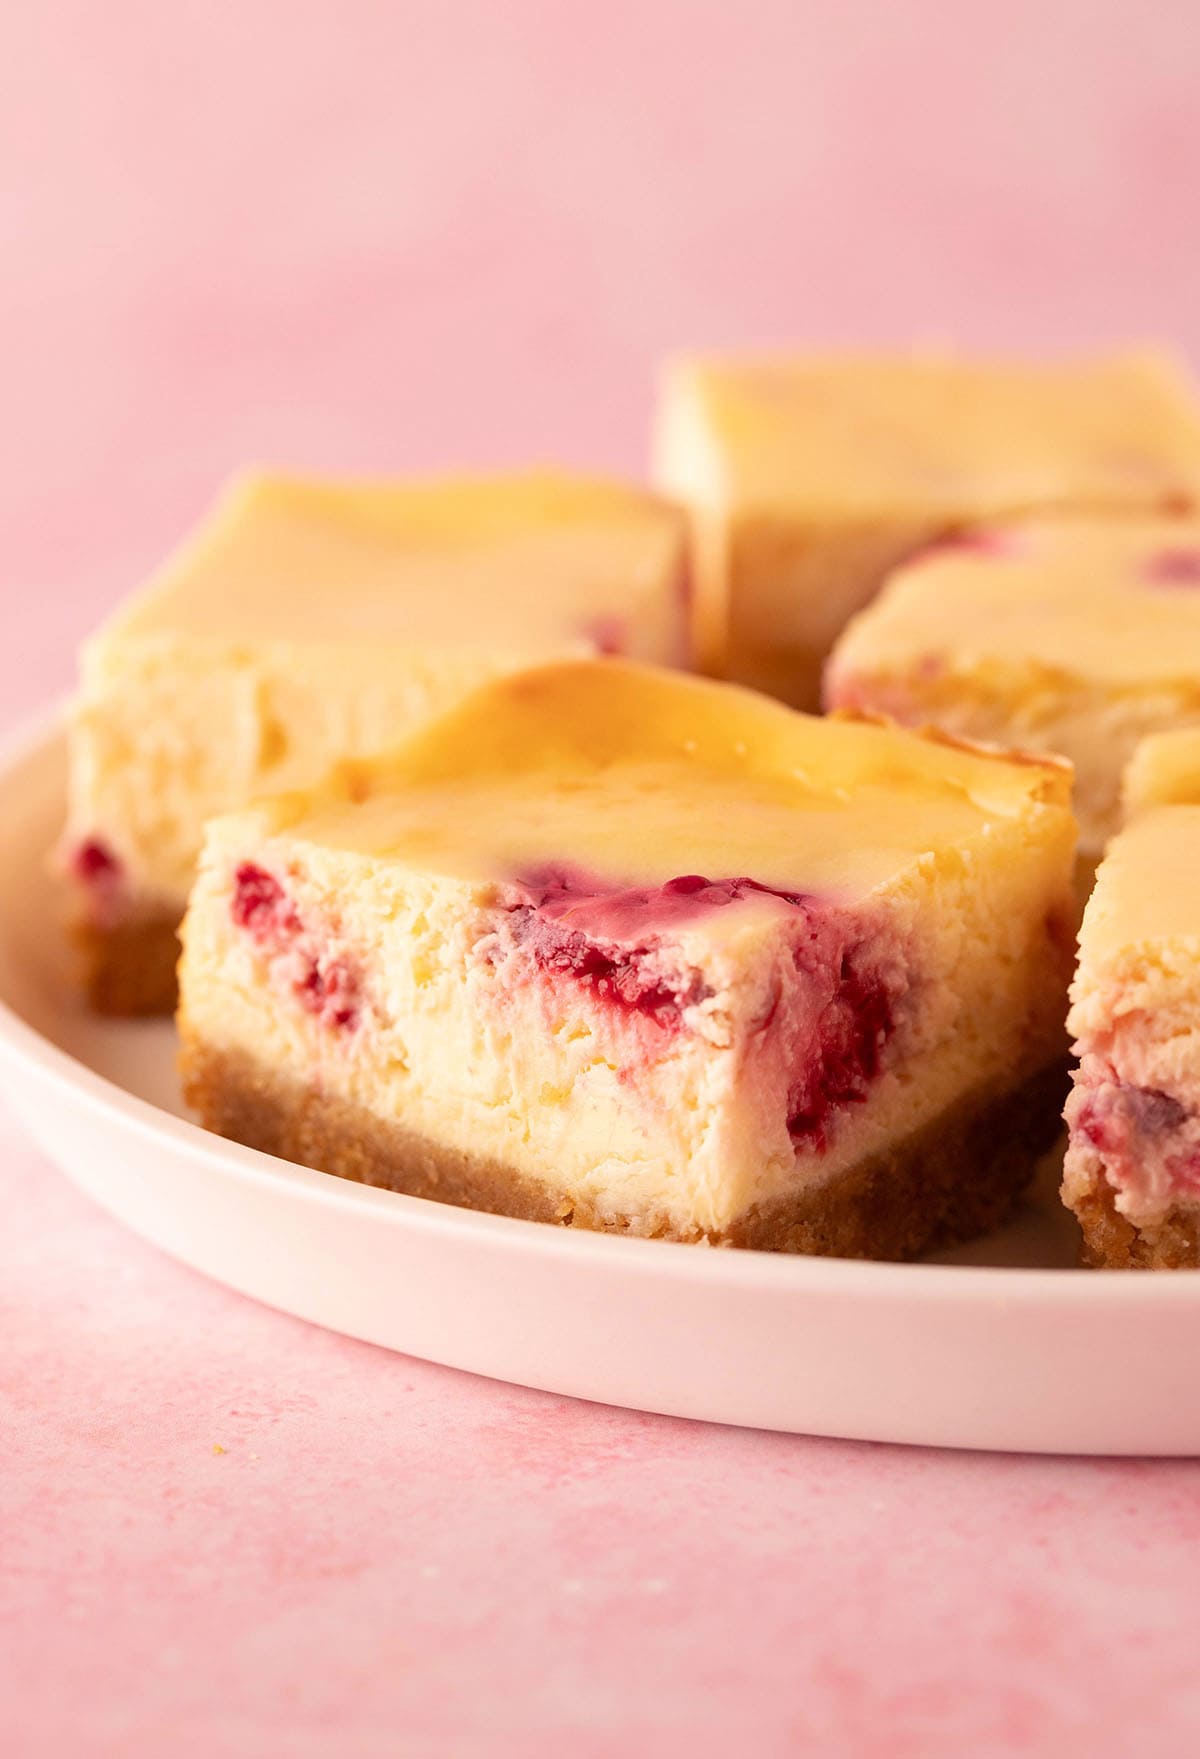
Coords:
pixel 1001 1345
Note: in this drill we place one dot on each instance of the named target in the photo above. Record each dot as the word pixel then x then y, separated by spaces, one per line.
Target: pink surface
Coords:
pixel 416 235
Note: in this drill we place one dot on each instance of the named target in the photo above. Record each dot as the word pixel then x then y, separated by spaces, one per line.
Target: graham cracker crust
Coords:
pixel 129 969
pixel 954 1178
pixel 1112 1242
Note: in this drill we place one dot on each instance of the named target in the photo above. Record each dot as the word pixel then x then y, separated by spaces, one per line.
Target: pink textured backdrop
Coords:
pixel 419 235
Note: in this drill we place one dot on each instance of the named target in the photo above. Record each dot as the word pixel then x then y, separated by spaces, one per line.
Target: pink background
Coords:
pixel 420 235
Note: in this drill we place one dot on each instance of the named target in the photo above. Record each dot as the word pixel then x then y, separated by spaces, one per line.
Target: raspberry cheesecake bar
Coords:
pixel 313 620
pixel 809 479
pixel 636 951
pixel 1132 1169
pixel 1076 636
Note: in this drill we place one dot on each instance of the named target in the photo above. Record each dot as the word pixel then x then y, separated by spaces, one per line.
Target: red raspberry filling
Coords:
pixel 624 912
pixel 100 876
pixel 1113 1121
pixel 324 983
pixel 1174 567
pixel 619 976
pixel 977 541
pixel 847 1055
pixel 833 1012
pixel 94 864
pixel 608 634
pixel 1131 1127
pixel 581 927
pixel 261 905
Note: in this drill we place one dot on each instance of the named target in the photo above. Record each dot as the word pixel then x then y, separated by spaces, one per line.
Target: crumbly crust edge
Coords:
pixel 129 969
pixel 1112 1242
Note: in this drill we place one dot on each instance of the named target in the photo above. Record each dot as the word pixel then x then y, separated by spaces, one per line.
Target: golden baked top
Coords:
pixel 522 563
pixel 1115 601
pixel 933 433
pixel 644 776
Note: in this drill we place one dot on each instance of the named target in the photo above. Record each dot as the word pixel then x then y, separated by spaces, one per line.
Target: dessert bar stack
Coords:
pixel 487 896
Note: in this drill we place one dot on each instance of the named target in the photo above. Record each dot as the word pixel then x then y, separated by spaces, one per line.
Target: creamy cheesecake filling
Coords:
pixel 597 1034
pixel 302 955
pixel 1146 1141
pixel 809 1043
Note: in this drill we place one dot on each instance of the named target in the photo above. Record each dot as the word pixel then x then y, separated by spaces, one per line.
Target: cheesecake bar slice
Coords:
pixel 809 479
pixel 1076 636
pixel 618 947
pixel 1132 1169
pixel 309 621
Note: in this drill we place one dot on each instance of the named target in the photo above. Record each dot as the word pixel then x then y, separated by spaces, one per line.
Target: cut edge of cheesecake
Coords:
pixel 894 1205
pixel 1132 1169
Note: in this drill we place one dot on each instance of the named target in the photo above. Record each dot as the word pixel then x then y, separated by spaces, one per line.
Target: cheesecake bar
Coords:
pixel 309 621
pixel 617 947
pixel 1132 1169
pixel 809 479
pixel 1075 636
